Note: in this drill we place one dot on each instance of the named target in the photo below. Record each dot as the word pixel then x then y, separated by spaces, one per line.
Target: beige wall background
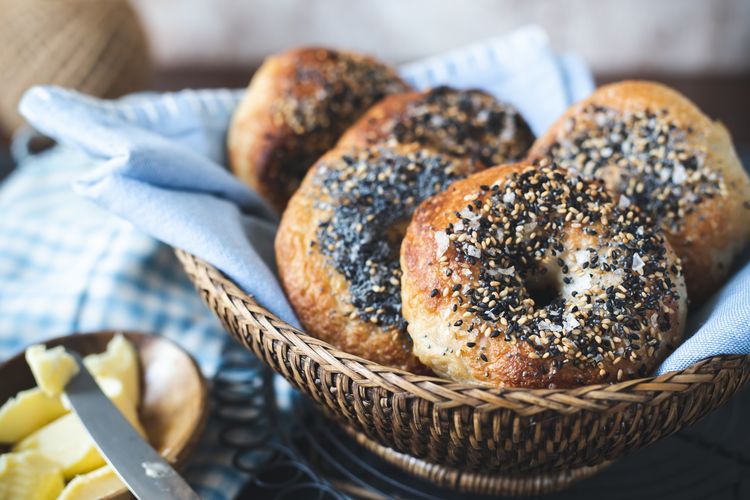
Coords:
pixel 615 36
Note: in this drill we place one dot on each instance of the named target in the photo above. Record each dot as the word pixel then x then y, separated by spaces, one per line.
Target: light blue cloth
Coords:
pixel 153 161
pixel 721 326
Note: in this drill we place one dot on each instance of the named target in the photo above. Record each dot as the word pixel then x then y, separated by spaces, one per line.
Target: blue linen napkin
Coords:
pixel 154 162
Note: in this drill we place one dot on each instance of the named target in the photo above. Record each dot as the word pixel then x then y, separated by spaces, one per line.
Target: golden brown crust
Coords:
pixel 710 236
pixel 466 123
pixel 429 296
pixel 376 125
pixel 315 281
pixel 295 108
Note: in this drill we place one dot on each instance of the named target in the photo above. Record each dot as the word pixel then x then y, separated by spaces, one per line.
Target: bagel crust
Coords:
pixel 654 147
pixel 337 248
pixel 465 123
pixel 526 275
pixel 295 108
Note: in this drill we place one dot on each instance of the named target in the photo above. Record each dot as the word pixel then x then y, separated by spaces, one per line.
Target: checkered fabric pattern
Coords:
pixel 69 266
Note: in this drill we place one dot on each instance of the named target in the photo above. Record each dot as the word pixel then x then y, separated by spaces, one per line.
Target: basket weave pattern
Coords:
pixel 466 427
pixel 97 47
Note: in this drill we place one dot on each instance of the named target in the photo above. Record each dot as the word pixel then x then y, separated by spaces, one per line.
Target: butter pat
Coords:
pixel 66 443
pixel 29 475
pixel 27 412
pixel 96 484
pixel 52 368
pixel 113 389
pixel 120 361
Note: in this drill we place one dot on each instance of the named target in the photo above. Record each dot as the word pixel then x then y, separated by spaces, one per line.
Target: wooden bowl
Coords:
pixel 173 405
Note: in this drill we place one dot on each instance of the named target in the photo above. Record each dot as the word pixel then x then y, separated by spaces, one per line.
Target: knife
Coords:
pixel 140 467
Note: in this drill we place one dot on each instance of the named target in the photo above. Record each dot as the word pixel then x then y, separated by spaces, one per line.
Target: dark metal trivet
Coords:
pixel 290 451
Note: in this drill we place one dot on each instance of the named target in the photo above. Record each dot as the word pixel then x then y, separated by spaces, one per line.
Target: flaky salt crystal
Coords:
pixel 468 214
pixel 637 262
pixel 654 320
pixel 679 175
pixel 570 322
pixel 442 243
pixel 549 326
pixel 665 174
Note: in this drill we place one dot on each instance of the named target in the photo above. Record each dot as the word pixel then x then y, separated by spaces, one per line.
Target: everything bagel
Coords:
pixel 529 276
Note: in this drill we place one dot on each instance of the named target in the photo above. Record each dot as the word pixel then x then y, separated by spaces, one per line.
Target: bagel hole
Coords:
pixel 543 289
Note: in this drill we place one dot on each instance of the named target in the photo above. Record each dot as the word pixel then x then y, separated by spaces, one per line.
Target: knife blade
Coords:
pixel 140 467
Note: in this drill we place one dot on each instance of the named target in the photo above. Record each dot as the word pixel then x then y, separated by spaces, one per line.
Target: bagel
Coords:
pixel 466 123
pixel 294 110
pixel 337 248
pixel 657 150
pixel 527 275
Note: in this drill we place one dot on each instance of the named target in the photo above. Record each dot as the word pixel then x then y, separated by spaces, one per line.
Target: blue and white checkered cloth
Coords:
pixel 153 162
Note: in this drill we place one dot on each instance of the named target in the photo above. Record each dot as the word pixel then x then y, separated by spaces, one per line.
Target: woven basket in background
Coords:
pixel 95 46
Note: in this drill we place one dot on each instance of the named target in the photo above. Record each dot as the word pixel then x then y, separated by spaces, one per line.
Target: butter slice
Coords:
pixel 52 368
pixel 27 412
pixel 29 475
pixel 99 483
pixel 120 361
pixel 66 443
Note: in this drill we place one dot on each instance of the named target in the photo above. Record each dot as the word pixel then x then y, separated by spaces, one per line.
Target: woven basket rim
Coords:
pixel 596 398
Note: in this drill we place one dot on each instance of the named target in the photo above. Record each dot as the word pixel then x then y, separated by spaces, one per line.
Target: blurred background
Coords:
pixel 676 36
pixel 111 47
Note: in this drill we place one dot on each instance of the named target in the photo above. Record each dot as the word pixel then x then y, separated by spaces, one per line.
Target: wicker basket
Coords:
pixel 473 439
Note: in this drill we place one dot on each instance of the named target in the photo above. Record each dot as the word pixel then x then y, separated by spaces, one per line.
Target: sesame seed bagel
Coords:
pixel 465 123
pixel 296 106
pixel 526 275
pixel 337 248
pixel 657 150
